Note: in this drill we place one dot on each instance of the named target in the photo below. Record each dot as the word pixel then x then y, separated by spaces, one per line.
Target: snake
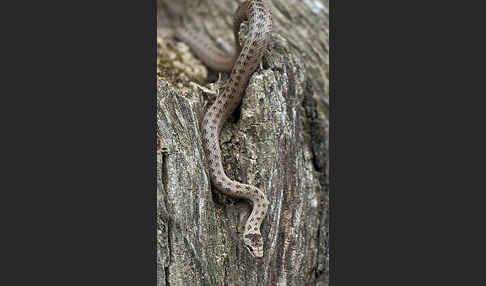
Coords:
pixel 241 65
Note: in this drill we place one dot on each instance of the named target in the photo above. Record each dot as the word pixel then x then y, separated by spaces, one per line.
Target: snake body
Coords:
pixel 241 65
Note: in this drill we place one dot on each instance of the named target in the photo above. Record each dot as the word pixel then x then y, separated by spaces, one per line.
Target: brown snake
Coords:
pixel 258 15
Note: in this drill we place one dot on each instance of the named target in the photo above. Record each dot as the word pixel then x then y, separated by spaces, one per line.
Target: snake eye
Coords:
pixel 250 250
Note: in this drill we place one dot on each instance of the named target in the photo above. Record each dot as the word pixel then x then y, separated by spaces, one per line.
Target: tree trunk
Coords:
pixel 277 141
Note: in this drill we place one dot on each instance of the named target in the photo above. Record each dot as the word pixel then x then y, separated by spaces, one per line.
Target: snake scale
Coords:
pixel 241 65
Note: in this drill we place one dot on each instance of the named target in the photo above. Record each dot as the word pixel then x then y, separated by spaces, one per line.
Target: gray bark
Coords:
pixel 277 140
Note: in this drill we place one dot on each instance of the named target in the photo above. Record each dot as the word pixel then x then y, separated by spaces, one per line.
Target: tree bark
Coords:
pixel 277 140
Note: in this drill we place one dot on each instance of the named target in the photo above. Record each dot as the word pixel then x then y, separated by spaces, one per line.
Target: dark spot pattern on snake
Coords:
pixel 241 67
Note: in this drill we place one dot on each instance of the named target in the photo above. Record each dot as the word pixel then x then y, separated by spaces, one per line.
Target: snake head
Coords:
pixel 254 244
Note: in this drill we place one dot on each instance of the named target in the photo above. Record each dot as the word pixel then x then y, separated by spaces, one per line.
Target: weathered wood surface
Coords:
pixel 277 140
